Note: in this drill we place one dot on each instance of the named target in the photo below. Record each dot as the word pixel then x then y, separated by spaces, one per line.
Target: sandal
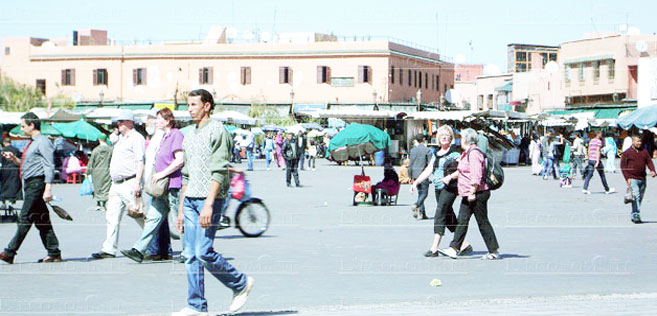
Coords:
pixel 491 256
pixel 431 254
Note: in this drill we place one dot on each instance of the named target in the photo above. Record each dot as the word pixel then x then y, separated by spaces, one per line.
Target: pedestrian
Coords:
pixel 168 162
pixel 248 143
pixel 535 154
pixel 290 151
pixel 404 177
pixel 269 149
pixel 633 166
pixel 443 163
pixel 578 152
pixel 37 170
pixel 524 150
pixel 312 155
pixel 595 149
pixel 237 149
pixel 545 150
pixel 420 157
pixel 474 194
pixel 278 145
pixel 301 143
pixel 10 181
pixel 98 170
pixel 205 182
pixel 610 152
pixel 551 157
pixel 126 169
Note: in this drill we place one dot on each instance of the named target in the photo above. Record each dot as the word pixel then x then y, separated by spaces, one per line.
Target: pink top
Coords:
pixel 594 148
pixel 471 171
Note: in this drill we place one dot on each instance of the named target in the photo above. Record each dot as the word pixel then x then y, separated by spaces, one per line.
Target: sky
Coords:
pixel 474 32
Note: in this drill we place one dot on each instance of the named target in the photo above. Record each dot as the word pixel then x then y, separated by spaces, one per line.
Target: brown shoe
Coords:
pixel 50 259
pixel 6 258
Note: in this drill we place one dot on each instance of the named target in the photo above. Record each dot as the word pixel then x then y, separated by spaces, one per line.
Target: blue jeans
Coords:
pixel 422 193
pixel 268 157
pixel 199 253
pixel 155 237
pixel 589 175
pixel 249 155
pixel 638 190
pixel 549 167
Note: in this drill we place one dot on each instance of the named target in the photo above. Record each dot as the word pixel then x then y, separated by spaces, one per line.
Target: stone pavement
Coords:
pixel 563 253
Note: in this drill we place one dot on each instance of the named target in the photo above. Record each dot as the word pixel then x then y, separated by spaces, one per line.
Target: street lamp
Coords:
pixel 292 97
pixel 418 98
pixel 101 94
pixel 374 94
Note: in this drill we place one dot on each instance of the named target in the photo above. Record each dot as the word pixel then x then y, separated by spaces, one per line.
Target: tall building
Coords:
pixel 525 57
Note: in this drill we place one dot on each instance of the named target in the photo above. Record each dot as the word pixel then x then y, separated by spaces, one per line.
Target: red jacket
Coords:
pixel 634 162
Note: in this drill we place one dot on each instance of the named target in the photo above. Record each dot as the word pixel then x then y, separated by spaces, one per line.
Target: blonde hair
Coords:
pixel 445 129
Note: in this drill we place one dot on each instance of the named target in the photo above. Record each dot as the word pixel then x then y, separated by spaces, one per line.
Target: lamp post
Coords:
pixel 374 95
pixel 101 94
pixel 418 98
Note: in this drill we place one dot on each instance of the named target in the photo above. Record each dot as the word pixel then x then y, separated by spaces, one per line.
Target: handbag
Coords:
pixel 157 188
pixel 629 196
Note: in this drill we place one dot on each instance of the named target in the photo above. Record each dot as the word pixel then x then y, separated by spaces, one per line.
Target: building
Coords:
pixel 320 70
pixel 647 83
pixel 527 57
pixel 603 69
pixel 464 94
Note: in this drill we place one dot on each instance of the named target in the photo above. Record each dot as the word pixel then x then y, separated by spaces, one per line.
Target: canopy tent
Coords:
pixel 357 140
pixel 46 129
pixel 10 117
pixel 80 129
pixel 315 133
pixel 257 131
pixel 64 115
pixel 353 113
pixel 312 125
pixel 234 117
pixel 643 118
pixel 440 115
pixel 272 128
pixel 295 129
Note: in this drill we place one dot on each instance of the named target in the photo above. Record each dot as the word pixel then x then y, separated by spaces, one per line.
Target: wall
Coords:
pixel 647 86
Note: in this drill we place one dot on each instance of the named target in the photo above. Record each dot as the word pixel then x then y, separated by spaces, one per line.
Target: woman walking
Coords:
pixel 535 154
pixel 269 149
pixel 312 155
pixel 474 194
pixel 443 162
pixel 278 144
pixel 610 151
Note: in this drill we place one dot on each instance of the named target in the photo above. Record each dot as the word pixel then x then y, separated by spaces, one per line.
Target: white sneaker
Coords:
pixel 189 312
pixel 612 190
pixel 586 191
pixel 239 298
pixel 450 252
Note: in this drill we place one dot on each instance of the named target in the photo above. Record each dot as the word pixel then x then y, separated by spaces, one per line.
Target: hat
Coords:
pixel 125 115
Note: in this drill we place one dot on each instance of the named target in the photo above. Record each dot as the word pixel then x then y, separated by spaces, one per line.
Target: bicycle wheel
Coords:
pixel 252 218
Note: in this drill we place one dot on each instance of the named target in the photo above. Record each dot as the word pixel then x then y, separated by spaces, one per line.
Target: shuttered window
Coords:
pixel 284 75
pixel 410 78
pixel 364 74
pixel 323 74
pixel 419 73
pixel 68 77
pixel 139 76
pixel 205 75
pixel 401 76
pixel 392 74
pixel 245 75
pixel 100 77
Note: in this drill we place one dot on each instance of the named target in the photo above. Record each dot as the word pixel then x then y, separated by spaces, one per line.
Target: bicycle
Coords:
pixel 252 216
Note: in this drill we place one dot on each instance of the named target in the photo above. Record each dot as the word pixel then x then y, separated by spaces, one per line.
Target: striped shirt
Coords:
pixel 594 149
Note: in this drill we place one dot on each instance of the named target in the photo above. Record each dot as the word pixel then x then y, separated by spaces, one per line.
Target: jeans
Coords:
pixel 478 207
pixel 601 172
pixel 422 193
pixel 311 162
pixel 302 160
pixel 249 156
pixel 200 254
pixel 268 157
pixel 156 227
pixel 34 211
pixel 549 167
pixel 292 171
pixel 577 164
pixel 445 216
pixel 638 190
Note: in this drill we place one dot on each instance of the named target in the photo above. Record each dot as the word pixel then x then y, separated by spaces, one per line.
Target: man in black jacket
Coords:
pixel 291 153
pixel 420 157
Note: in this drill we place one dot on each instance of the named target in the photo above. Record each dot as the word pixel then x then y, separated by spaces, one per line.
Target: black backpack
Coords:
pixel 493 172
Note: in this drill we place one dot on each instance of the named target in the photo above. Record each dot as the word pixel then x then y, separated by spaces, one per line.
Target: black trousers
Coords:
pixel 445 216
pixel 291 168
pixel 35 212
pixel 478 207
pixel 601 171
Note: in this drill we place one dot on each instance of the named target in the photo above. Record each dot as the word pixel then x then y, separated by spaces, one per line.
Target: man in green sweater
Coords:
pixel 206 149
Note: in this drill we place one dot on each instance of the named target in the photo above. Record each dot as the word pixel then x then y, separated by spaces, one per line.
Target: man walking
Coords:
pixel 595 147
pixel 126 168
pixel 205 182
pixel 291 154
pixel 301 149
pixel 420 157
pixel 633 165
pixel 98 170
pixel 37 172
pixel 578 151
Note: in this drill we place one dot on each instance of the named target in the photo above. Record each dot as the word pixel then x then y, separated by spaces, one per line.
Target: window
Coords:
pixel 553 57
pixel 596 71
pixel 581 71
pixel 567 74
pixel 426 80
pixel 392 74
pixel 437 82
pixel 68 77
pixel 521 56
pixel 100 77
pixel 401 76
pixel 414 78
pixel 611 64
pixel 323 74
pixel 419 74
pixel 7 50
pixel 284 75
pixel 410 78
pixel 41 85
pixel 364 74
pixel 480 102
pixel 139 77
pixel 489 103
pixel 521 67
pixel 205 75
pixel 544 56
pixel 245 75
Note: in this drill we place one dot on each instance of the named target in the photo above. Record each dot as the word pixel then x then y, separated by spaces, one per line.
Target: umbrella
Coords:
pixel 46 129
pixel 80 129
pixel 239 131
pixel 230 128
pixel 272 128
pixel 357 140
pixel 643 118
pixel 331 132
pixel 315 133
pixel 295 129
pixel 257 131
pixel 312 125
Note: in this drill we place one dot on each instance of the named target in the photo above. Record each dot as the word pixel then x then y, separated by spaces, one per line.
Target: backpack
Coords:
pixel 493 172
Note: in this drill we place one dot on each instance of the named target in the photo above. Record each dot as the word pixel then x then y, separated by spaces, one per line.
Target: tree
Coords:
pixel 16 97
pixel 269 115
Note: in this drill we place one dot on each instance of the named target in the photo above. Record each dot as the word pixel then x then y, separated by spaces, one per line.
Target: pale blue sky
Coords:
pixel 447 25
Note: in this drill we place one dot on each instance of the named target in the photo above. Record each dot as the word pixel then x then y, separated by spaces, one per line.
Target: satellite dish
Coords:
pixel 642 46
pixel 552 67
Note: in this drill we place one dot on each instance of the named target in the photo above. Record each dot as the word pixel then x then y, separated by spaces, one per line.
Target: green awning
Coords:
pixel 507 87
pixel 588 59
pixel 135 106
pixel 604 113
